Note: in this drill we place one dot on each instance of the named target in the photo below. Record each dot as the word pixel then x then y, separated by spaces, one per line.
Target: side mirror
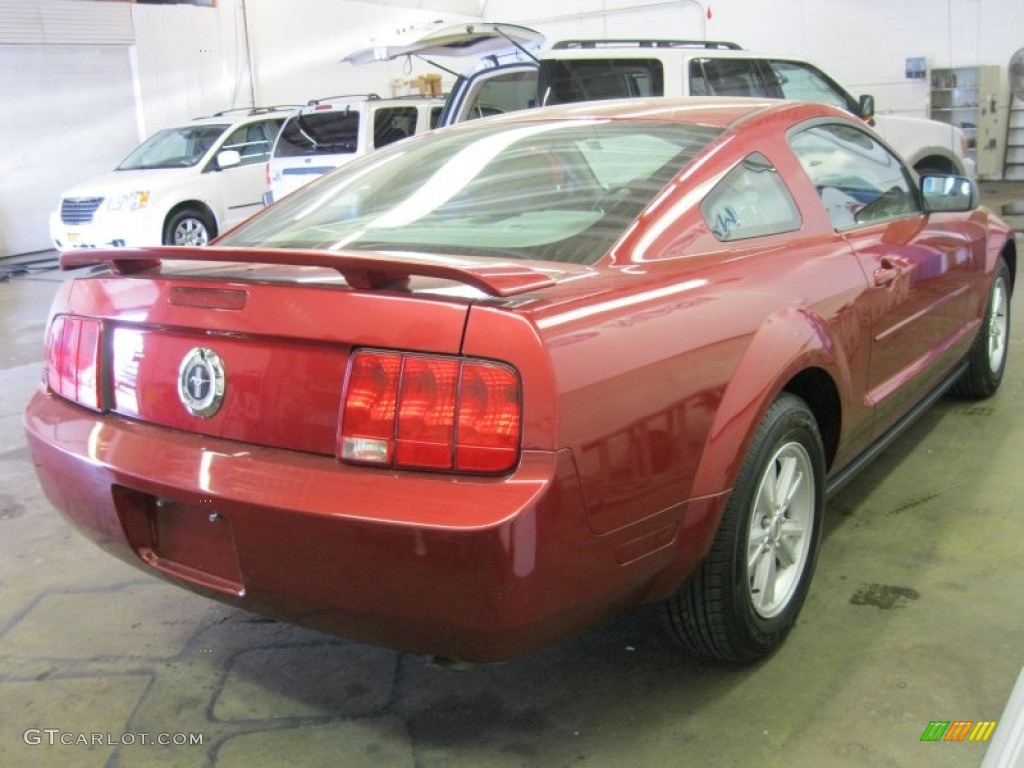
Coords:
pixel 949 193
pixel 228 158
pixel 866 108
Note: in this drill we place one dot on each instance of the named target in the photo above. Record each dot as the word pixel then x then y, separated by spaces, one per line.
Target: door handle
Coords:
pixel 888 272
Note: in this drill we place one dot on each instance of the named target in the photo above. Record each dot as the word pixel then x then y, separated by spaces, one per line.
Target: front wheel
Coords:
pixel 746 595
pixel 986 359
pixel 188 226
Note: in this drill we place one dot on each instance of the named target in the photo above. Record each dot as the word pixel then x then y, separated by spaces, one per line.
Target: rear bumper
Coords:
pixel 480 569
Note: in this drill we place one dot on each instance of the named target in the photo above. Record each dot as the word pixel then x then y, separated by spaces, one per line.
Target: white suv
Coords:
pixel 330 132
pixel 182 186
pixel 585 70
pixel 588 70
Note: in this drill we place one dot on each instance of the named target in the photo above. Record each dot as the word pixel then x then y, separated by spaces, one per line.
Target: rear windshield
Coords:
pixel 565 81
pixel 556 191
pixel 335 132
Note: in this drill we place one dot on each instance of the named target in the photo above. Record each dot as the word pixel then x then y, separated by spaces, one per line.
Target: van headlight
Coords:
pixel 130 201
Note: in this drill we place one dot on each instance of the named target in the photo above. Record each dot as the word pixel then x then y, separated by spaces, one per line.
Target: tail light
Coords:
pixel 74 350
pixel 430 412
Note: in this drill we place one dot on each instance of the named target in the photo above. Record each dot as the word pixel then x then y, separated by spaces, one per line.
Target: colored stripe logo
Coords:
pixel 958 730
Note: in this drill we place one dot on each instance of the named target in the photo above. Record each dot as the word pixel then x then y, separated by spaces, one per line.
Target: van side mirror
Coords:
pixel 949 193
pixel 866 108
pixel 228 158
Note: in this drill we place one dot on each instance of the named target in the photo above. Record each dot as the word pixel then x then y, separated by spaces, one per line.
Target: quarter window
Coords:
pixel 859 180
pixel 751 201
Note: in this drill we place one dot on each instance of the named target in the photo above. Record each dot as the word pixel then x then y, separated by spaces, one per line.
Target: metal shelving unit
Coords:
pixel 968 97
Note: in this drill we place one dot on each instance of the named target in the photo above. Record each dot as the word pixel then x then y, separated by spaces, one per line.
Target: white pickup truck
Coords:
pixel 588 70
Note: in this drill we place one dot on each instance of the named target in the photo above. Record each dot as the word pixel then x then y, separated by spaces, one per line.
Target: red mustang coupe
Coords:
pixel 494 385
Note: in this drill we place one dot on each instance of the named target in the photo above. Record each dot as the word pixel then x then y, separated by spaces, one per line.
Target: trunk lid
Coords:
pixel 276 327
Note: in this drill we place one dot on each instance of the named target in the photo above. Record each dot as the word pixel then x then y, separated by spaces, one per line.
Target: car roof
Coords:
pixel 716 111
pixel 243 115
pixel 580 49
pixel 360 98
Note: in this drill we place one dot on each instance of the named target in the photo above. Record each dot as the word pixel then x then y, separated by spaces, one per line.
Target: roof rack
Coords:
pixel 367 96
pixel 414 96
pixel 708 44
pixel 253 110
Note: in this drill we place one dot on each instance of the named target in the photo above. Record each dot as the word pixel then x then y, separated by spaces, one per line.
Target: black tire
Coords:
pixel 189 226
pixel 986 360
pixel 725 611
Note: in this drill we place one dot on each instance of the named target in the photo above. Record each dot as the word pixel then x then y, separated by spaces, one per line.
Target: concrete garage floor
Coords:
pixel 915 615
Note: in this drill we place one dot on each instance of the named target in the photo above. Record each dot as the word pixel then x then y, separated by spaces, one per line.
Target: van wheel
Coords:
pixel 986 359
pixel 189 226
pixel 746 595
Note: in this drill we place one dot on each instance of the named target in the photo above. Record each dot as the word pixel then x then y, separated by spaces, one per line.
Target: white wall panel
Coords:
pixel 68 114
pixel 74 102
pixel 187 67
pixel 297 46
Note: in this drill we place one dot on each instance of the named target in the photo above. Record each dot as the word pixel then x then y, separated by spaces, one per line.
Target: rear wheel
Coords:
pixel 746 595
pixel 986 360
pixel 189 226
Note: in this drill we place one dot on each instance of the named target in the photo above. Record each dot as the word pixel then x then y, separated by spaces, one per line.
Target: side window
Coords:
pixel 252 142
pixel 564 81
pixel 508 92
pixel 751 201
pixel 728 77
pixel 859 180
pixel 393 123
pixel 803 82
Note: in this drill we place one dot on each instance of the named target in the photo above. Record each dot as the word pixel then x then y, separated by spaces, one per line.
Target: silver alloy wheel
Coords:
pixel 998 328
pixel 191 231
pixel 779 538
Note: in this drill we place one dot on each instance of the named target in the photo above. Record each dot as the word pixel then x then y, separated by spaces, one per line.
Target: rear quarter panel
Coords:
pixel 663 370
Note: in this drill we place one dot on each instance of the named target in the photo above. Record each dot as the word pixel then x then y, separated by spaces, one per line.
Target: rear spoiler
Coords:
pixel 362 271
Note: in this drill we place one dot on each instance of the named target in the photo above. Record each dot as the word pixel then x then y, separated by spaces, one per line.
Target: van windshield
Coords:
pixel 174 147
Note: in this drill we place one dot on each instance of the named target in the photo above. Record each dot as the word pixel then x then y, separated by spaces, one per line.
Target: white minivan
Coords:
pixel 329 132
pixel 182 186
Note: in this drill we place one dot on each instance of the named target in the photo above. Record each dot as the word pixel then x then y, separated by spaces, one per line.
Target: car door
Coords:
pixel 242 186
pixel 922 270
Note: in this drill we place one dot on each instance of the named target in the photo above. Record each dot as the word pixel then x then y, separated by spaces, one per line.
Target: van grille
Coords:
pixel 78 210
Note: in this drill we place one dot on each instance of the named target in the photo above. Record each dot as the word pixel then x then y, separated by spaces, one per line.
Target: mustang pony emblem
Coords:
pixel 201 382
